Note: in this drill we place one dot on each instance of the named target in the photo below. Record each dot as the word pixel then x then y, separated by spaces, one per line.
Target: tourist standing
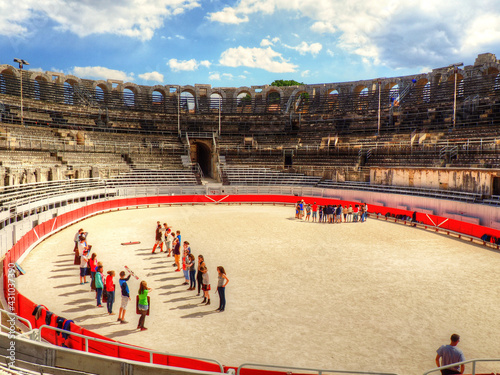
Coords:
pixel 222 281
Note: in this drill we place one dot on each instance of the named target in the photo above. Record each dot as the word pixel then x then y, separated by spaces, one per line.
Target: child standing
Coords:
pixel 99 284
pixel 143 305
pixel 125 296
pixel 205 286
pixel 110 289
pixel 185 270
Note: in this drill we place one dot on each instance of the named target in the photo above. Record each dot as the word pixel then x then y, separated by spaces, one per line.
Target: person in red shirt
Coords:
pixel 110 289
pixel 315 212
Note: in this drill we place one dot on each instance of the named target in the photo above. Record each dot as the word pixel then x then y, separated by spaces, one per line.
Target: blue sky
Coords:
pixel 246 42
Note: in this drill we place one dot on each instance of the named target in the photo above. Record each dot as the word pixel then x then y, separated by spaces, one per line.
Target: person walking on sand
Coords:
pixel 450 354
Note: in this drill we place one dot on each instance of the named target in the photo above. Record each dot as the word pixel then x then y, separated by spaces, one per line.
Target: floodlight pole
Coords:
pixel 21 63
pixel 179 110
pixel 220 99
pixel 378 120
pixel 455 68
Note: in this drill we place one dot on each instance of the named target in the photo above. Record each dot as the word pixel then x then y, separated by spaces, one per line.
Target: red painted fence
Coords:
pixel 24 307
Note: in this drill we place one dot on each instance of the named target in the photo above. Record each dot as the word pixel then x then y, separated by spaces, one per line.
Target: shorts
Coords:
pixel 83 271
pixel 143 307
pixel 169 245
pixel 124 302
pixel 186 274
pixel 205 287
pixel 314 213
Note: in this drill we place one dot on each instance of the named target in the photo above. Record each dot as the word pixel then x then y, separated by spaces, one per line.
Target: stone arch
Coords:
pixel 40 84
pixel 360 88
pixel 423 87
pixel 215 99
pixel 101 91
pixel 332 98
pixel 69 84
pixel 158 96
pixel 360 97
pixel 188 98
pixel 243 90
pixel 243 98
pixel 8 80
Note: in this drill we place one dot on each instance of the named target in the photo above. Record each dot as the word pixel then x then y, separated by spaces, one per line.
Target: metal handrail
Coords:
pixel 473 361
pixel 23 320
pixel 119 344
pixel 318 371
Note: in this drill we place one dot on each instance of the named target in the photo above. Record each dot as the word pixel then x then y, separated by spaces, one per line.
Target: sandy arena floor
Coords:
pixel 374 297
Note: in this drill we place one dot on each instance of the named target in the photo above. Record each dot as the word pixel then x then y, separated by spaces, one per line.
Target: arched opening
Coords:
pixel 301 101
pixel 8 83
pixel 273 100
pixel 3 84
pixel 158 98
pixel 204 158
pixel 187 101
pixel 215 102
pixel 497 82
pixel 244 101
pixel 426 92
pixel 128 97
pixel 333 99
pixel 99 93
pixel 394 95
pixel 69 93
pixel 37 92
pixel 361 97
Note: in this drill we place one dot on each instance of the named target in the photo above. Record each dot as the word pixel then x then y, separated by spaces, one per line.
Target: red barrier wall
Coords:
pixel 24 307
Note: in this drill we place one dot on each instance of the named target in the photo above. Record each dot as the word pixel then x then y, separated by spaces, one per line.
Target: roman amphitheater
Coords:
pixel 226 167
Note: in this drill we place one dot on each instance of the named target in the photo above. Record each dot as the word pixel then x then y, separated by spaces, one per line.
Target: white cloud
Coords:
pixel 322 27
pixel 205 63
pixel 187 65
pixel 214 77
pixel 266 43
pixel 99 72
pixel 397 34
pixel 263 58
pixel 227 15
pixel 304 48
pixel 329 52
pixel 133 18
pixel 305 73
pixel 152 76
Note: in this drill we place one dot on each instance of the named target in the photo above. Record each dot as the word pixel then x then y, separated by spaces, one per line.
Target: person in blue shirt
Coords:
pixel 125 296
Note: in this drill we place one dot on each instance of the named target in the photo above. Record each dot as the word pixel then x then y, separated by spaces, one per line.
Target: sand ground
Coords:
pixel 373 297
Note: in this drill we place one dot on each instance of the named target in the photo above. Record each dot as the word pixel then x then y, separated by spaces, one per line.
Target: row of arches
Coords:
pixel 46 86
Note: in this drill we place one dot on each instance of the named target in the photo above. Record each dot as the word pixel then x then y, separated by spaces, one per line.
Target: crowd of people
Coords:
pixel 331 213
pixel 195 275
pixel 169 243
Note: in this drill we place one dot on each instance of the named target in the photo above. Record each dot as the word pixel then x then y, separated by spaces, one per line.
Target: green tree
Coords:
pixel 283 82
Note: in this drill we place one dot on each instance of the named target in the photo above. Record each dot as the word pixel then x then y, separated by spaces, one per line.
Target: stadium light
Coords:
pixel 455 68
pixel 21 63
